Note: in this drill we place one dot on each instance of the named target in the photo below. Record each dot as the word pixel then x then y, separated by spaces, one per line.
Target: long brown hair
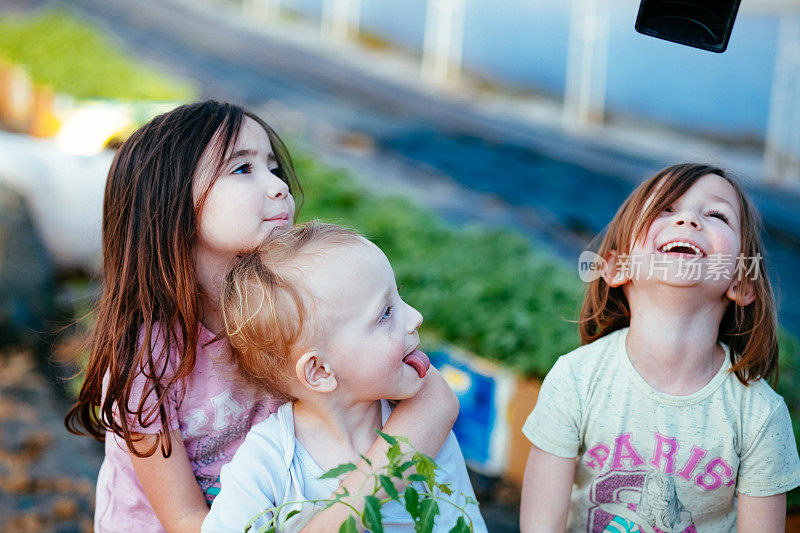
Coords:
pixel 749 331
pixel 150 293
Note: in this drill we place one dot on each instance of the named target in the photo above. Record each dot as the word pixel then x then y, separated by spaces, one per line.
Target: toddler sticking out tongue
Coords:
pixel 418 361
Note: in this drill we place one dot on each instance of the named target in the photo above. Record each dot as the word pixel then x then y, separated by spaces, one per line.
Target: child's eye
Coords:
pixel 243 169
pixel 668 209
pixel 717 214
pixel 278 172
pixel 387 312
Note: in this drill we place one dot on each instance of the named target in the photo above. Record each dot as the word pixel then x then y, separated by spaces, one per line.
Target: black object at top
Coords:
pixel 704 24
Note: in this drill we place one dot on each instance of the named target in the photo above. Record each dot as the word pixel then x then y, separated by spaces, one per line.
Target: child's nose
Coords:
pixel 415 320
pixel 687 217
pixel 276 187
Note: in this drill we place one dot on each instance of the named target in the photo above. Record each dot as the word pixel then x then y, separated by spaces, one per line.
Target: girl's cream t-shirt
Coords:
pixel 656 461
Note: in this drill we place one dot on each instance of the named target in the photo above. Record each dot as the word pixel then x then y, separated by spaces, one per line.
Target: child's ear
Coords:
pixel 740 292
pixel 315 374
pixel 614 273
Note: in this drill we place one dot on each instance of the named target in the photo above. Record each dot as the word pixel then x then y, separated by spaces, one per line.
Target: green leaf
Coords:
pixel 411 496
pixel 426 459
pixel 388 438
pixel 371 518
pixel 461 526
pixel 426 467
pixel 428 510
pixel 394 453
pixel 405 466
pixel 288 516
pixel 365 459
pixel 417 477
pixel 445 488
pixel 388 486
pixel 349 525
pixel 398 469
pixel 338 471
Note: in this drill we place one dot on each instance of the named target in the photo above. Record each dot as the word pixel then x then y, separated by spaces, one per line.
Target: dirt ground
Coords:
pixel 47 475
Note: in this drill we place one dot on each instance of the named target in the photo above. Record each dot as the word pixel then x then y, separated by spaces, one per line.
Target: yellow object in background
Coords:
pixel 458 380
pixel 42 118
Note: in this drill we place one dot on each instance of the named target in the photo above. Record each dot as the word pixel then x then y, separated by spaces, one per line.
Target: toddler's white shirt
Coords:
pixel 272 468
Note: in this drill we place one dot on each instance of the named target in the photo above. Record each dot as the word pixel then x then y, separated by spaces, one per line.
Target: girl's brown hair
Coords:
pixel 150 292
pixel 266 306
pixel 749 331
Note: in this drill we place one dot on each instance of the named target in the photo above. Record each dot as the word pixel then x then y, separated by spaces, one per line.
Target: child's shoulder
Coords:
pixel 755 398
pixel 768 454
pixel 587 359
pixel 760 390
pixel 269 441
pixel 752 406
pixel 277 429
pixel 161 335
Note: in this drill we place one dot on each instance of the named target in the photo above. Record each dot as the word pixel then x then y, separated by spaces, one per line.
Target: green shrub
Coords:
pixel 789 387
pixel 67 54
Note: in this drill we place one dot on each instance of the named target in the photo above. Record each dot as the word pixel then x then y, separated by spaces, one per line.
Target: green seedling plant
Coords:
pixel 404 468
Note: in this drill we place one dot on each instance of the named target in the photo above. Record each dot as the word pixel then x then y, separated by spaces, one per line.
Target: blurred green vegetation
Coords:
pixel 72 57
pixel 789 387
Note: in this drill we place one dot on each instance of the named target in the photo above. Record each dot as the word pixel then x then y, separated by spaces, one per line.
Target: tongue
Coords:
pixel 418 361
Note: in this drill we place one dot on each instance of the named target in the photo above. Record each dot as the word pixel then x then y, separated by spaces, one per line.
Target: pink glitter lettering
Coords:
pixel 599 456
pixel 711 472
pixel 695 457
pixel 623 449
pixel 659 452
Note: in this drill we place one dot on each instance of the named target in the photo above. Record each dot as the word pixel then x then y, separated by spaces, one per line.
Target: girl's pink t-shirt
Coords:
pixel 214 415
